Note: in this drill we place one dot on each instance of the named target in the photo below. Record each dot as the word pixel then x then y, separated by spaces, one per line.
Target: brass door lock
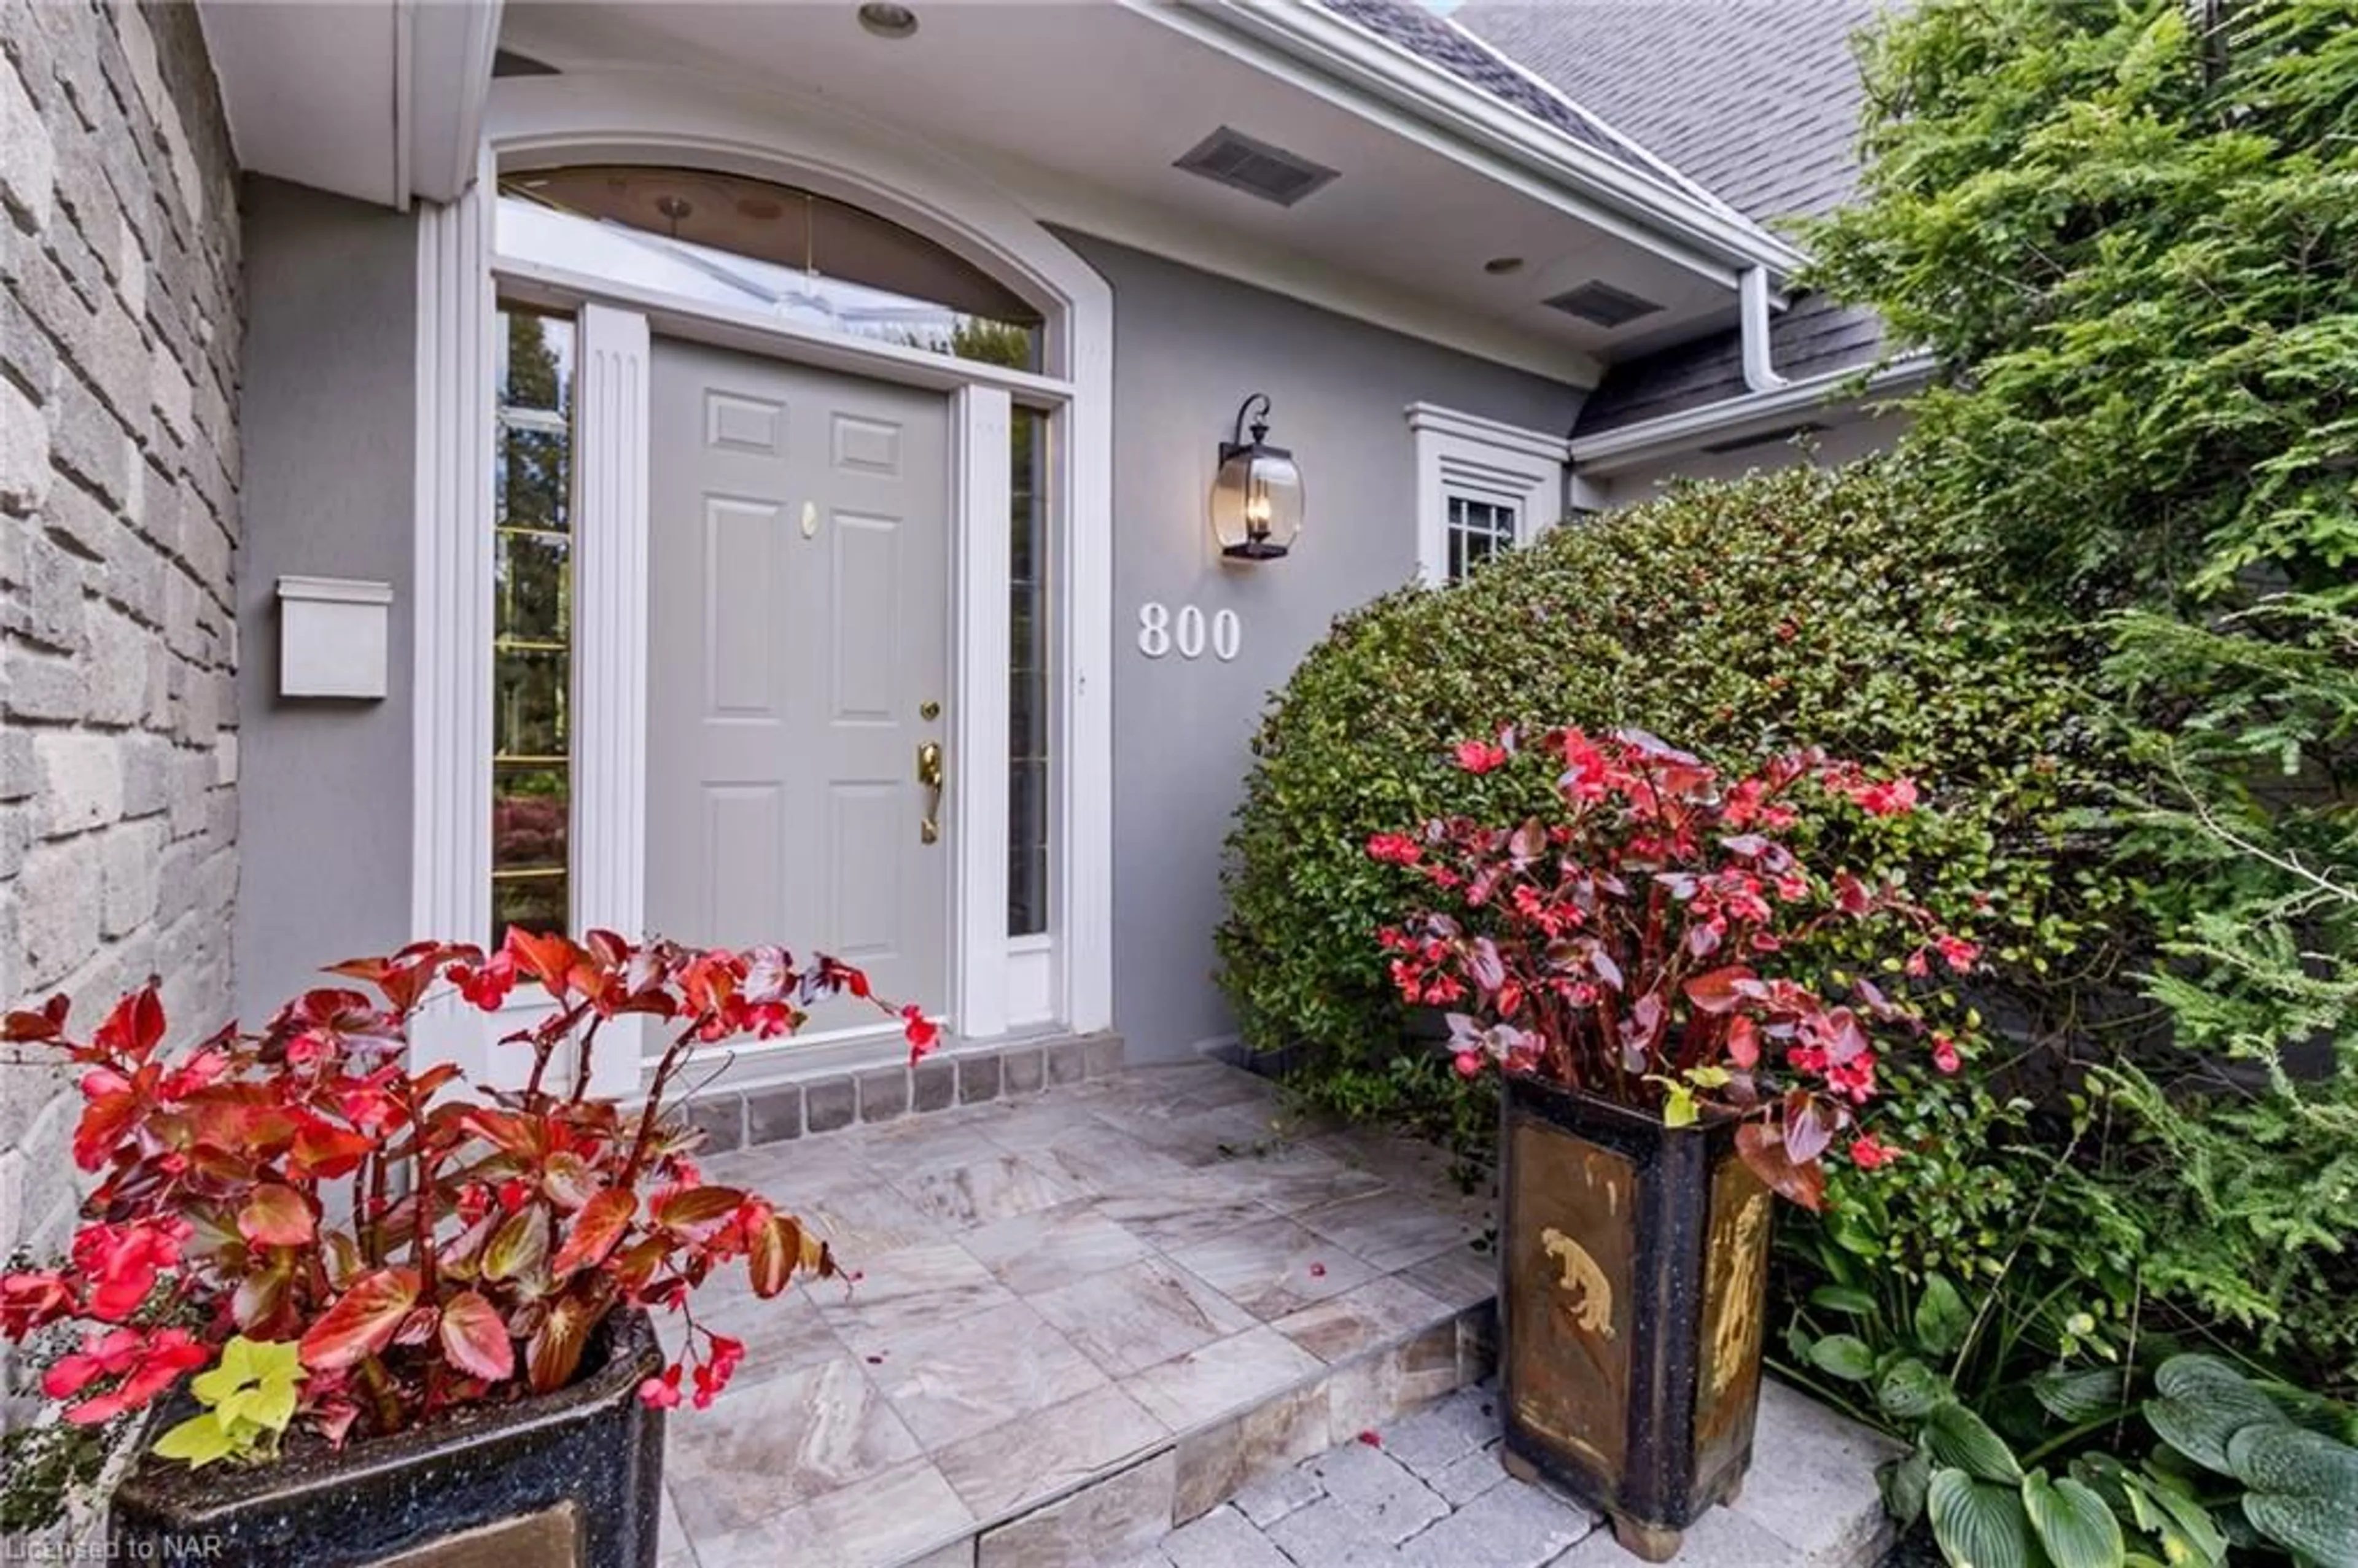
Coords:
pixel 929 773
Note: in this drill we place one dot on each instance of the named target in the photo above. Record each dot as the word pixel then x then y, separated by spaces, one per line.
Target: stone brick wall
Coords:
pixel 120 321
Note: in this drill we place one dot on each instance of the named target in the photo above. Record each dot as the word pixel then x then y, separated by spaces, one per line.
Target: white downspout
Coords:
pixel 1752 304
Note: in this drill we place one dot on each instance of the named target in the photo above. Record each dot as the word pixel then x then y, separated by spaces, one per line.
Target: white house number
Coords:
pixel 1189 632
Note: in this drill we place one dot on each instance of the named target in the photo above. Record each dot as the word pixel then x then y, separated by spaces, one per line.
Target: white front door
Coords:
pixel 798 592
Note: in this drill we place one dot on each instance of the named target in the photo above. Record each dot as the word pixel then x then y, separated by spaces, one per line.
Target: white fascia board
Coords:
pixel 1574 177
pixel 1653 439
pixel 444 64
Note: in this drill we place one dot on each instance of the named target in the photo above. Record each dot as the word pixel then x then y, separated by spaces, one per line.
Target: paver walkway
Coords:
pixel 1078 1316
pixel 1084 1314
pixel 1428 1493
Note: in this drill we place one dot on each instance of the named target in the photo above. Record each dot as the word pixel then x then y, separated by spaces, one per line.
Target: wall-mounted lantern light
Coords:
pixel 1257 499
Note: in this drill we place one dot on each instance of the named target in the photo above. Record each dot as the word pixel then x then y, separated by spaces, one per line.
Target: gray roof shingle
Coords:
pixel 1757 100
pixel 1442 42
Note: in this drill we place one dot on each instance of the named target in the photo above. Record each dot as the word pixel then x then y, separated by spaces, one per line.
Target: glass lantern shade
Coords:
pixel 1256 501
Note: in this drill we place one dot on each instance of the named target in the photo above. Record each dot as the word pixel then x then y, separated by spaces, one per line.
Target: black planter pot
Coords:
pixel 1635 1262
pixel 572 1478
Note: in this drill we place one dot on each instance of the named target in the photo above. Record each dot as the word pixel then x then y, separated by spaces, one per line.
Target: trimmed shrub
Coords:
pixel 1804 607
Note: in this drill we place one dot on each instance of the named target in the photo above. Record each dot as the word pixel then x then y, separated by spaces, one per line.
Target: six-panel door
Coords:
pixel 799 607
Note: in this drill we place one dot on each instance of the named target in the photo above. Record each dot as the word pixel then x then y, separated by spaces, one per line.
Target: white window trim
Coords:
pixel 1480 459
pixel 631 118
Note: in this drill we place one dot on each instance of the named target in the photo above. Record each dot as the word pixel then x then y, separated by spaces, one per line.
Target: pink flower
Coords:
pixel 1468 1064
pixel 1944 1054
pixel 1393 848
pixel 1480 756
pixel 1957 953
pixel 1888 797
pixel 661 1393
pixel 922 1032
pixel 1868 1155
pixel 147 1364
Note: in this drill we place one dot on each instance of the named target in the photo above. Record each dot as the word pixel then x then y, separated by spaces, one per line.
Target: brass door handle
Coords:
pixel 929 773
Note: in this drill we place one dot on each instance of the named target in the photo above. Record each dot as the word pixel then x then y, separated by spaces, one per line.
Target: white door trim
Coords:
pixel 610 519
pixel 980 555
pixel 545 120
pixel 451 667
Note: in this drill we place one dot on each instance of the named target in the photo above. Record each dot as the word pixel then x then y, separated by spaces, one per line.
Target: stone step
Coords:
pixel 1244 1438
pixel 1078 1318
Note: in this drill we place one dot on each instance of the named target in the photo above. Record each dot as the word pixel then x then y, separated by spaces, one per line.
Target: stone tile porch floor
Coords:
pixel 1084 1320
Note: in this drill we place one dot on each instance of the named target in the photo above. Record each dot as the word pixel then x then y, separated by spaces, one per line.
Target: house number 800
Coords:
pixel 1159 631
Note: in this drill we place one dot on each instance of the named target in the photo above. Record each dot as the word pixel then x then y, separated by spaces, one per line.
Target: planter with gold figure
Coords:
pixel 1634 949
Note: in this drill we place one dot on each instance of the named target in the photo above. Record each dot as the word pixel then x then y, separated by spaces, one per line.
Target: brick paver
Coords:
pixel 1429 1493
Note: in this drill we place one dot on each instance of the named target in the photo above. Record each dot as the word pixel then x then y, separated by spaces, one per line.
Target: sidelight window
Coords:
pixel 531 624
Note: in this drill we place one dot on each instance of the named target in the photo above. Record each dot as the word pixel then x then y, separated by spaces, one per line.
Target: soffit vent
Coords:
pixel 1603 304
pixel 1255 168
pixel 507 63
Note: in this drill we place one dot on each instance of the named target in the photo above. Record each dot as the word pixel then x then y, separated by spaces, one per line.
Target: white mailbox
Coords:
pixel 332 636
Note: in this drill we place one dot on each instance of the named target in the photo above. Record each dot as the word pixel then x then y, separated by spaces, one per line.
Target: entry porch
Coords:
pixel 1083 1312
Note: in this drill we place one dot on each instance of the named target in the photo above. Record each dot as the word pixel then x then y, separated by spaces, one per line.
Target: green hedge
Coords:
pixel 1801 607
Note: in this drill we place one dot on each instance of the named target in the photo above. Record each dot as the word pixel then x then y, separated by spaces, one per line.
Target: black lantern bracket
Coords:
pixel 1255 408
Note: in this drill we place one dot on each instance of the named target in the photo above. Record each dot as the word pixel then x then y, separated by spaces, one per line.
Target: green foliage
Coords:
pixel 2129 239
pixel 2241 1469
pixel 249 1398
pixel 42 1465
pixel 1736 620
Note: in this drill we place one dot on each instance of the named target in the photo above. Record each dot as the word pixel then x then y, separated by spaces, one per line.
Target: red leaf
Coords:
pixel 1721 990
pixel 277 1215
pixel 475 1339
pixel 136 1025
pixel 27 1028
pixel 1744 1043
pixel 687 1208
pixel 362 1322
pixel 775 1249
pixel 556 1346
pixel 596 1228
pixel 547 958
pixel 401 978
pixel 519 1248
pixel 569 1180
pixel 1760 1148
pixel 329 1152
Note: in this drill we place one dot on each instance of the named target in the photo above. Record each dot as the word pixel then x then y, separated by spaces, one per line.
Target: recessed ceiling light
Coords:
pixel 887 20
pixel 1498 266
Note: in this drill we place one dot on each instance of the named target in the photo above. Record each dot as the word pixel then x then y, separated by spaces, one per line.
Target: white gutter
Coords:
pixel 1633 445
pixel 1752 300
pixel 1436 96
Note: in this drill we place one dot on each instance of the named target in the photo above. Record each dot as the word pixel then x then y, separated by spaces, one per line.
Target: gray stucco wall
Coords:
pixel 119 330
pixel 1188 348
pixel 330 422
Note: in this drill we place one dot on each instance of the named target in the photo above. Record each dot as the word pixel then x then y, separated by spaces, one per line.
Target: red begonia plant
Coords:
pixel 1627 944
pixel 425 1243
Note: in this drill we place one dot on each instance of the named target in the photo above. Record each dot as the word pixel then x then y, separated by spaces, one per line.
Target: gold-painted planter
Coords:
pixel 1634 1262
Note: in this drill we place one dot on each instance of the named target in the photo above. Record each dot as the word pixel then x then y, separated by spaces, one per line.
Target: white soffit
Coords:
pixel 379 100
pixel 1079 110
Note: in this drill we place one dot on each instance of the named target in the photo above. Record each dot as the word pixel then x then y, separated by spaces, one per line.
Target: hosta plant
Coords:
pixel 1626 943
pixel 2213 1469
pixel 353 1244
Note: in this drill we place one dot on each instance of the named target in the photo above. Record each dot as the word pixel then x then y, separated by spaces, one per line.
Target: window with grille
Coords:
pixel 1475 532
pixel 532 625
